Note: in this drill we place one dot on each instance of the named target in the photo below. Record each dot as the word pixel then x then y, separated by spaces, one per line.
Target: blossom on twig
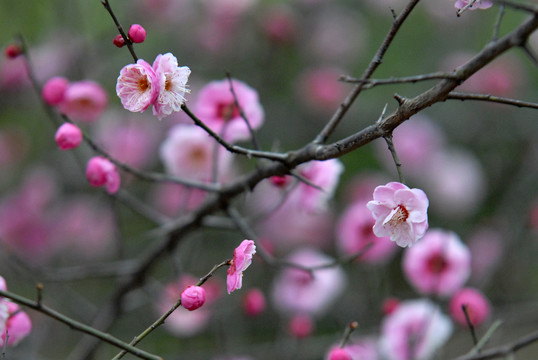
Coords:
pixel 240 262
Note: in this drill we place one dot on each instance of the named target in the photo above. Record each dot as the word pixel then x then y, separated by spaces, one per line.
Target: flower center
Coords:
pixel 168 84
pixel 198 155
pixel 143 84
pixel 400 215
pixel 436 264
pixel 227 111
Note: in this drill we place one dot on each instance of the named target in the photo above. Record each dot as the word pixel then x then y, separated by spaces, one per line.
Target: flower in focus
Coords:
pixel 68 136
pixel 478 4
pixel 137 33
pixel 477 306
pixel 216 108
pixel 415 330
pixel 400 213
pixel 137 86
pixel 240 262
pixel 193 297
pixel 101 172
pixel 172 85
pixel 440 264
pixel 84 101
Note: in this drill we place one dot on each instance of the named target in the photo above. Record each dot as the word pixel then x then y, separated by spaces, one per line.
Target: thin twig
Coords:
pixel 370 83
pixel 469 324
pixel 128 41
pixel 242 113
pixel 397 162
pixel 497 26
pixel 347 333
pixel 456 95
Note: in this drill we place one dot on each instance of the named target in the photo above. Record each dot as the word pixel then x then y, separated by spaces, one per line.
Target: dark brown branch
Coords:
pixel 128 41
pixel 454 95
pixel 502 351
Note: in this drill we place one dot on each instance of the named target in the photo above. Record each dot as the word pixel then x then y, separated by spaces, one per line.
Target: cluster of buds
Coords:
pixel 136 34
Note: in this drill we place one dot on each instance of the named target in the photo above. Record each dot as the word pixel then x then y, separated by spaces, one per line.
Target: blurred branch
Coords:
pixel 455 95
pixel 370 83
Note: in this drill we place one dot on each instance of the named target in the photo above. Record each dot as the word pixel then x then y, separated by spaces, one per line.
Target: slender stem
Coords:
pixel 128 41
pixel 370 83
pixel 242 114
pixel 469 324
pixel 455 95
pixel 397 162
pixel 347 333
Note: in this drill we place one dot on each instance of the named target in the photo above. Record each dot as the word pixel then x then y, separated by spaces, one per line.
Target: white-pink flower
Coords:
pixel 240 262
pixel 478 4
pixel 17 326
pixel 399 212
pixel 415 330
pixel 216 108
pixel 137 86
pixel 102 172
pixel 439 264
pixel 172 85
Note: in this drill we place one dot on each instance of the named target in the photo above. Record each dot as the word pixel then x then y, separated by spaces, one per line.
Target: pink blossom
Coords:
pixel 338 353
pixel 389 305
pixel 193 297
pixel 299 291
pixel 68 136
pixel 439 264
pixel 240 262
pixel 137 86
pixel 53 91
pixel 12 51
pixel 137 33
pixel 18 325
pixel 477 306
pixel 478 4
pixel 361 349
pixel 301 326
pixel 416 330
pixel 320 89
pixel 279 24
pixel 3 284
pixel 254 302
pixel 102 172
pixel 172 85
pixel 487 248
pixel 189 152
pixel 216 108
pixel 84 101
pixel 354 233
pixel 172 199
pixel 400 213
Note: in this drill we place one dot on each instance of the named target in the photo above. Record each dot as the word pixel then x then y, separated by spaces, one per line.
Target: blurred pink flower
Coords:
pixel 301 326
pixel 479 4
pixel 53 91
pixel 439 264
pixel 415 330
pixel 188 152
pixel 138 86
pixel 299 291
pixel 13 73
pixel 477 306
pixel 216 107
pixel 172 199
pixel 253 302
pixel 400 213
pixel 102 172
pixel 320 90
pixel 354 233
pixel 193 297
pixel 240 262
pixel 83 101
pixel 17 326
pixel 362 349
pixel 279 24
pixel 487 248
pixel 3 284
pixel 68 136
pixel 172 85
pixel 338 353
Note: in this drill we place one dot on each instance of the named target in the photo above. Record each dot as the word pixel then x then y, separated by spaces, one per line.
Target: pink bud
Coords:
pixel 68 136
pixel 119 41
pixel 301 326
pixel 339 354
pixel 476 305
pixel 254 302
pixel 389 305
pixel 12 51
pixel 280 181
pixel 137 33
pixel 101 172
pixel 193 297
pixel 54 90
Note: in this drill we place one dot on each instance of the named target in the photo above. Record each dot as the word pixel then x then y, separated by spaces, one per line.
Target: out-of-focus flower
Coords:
pixel 299 291
pixel 53 91
pixel 354 233
pixel 137 33
pixel 439 264
pixel 137 86
pixel 12 51
pixel 389 305
pixel 478 4
pixel 102 172
pixel 240 262
pixel 254 302
pixel 172 85
pixel 301 326
pixel 362 349
pixel 193 297
pixel 216 108
pixel 172 199
pixel 279 24
pixel 486 246
pixel 476 305
pixel 338 353
pixel 416 330
pixel 68 136
pixel 17 326
pixel 320 90
pixel 399 212
pixel 83 101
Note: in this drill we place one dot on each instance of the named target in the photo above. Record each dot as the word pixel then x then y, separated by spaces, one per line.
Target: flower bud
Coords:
pixel 137 33
pixel 68 136
pixel 301 326
pixel 254 302
pixel 193 297
pixel 119 41
pixel 339 354
pixel 54 90
pixel 102 172
pixel 12 51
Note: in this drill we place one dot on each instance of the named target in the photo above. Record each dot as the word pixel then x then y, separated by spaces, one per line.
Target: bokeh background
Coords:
pixel 482 184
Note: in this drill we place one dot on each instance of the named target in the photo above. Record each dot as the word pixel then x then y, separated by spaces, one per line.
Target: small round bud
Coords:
pixel 102 172
pixel 339 354
pixel 137 33
pixel 12 51
pixel 54 90
pixel 254 302
pixel 389 305
pixel 119 41
pixel 68 136
pixel 301 326
pixel 193 297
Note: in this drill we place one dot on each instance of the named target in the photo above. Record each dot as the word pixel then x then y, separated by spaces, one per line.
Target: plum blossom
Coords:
pixel 53 91
pixel 399 212
pixel 477 306
pixel 240 262
pixel 193 297
pixel 102 172
pixel 439 264
pixel 361 349
pixel 415 330
pixel 478 4
pixel 300 291
pixel 301 325
pixel 83 101
pixel 137 86
pixel 137 33
pixel 216 108
pixel 338 353
pixel 13 320
pixel 68 136
pixel 172 85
